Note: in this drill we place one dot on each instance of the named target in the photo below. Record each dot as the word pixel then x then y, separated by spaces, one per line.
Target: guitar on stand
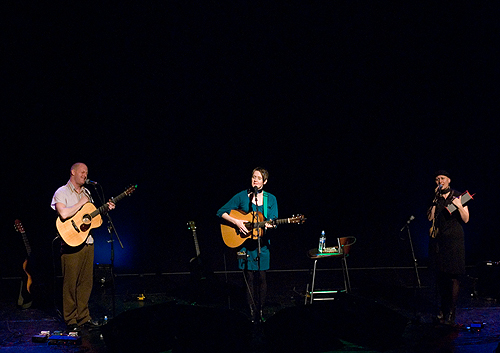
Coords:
pixel 25 298
pixel 197 268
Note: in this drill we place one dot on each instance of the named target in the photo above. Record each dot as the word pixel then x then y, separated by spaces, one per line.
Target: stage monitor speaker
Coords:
pixel 300 329
pixel 321 326
pixel 488 280
pixel 176 327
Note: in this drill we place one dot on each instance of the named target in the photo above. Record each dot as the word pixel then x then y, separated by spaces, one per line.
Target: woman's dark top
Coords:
pixel 447 250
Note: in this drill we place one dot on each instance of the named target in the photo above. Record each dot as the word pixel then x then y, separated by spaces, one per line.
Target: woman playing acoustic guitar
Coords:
pixel 259 203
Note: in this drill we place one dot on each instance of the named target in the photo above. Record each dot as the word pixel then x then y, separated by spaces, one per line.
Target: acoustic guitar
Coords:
pixel 198 268
pixel 75 229
pixel 255 223
pixel 25 298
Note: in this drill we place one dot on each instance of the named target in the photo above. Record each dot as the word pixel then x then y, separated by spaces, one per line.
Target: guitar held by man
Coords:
pixel 75 229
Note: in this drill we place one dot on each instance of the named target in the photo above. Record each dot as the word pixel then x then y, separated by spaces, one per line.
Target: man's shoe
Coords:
pixel 91 325
pixel 450 319
pixel 72 328
pixel 439 319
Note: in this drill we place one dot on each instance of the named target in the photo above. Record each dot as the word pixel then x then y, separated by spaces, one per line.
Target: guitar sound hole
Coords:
pixel 86 219
pixel 86 222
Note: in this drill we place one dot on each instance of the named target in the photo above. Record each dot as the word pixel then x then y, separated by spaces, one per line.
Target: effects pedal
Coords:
pixel 42 337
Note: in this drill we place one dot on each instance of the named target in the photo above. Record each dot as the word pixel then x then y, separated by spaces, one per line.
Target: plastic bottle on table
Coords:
pixel 322 242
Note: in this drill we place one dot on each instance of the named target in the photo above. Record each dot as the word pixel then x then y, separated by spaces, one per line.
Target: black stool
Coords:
pixel 339 252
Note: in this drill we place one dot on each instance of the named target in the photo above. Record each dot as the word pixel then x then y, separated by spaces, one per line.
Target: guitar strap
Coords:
pixel 265 204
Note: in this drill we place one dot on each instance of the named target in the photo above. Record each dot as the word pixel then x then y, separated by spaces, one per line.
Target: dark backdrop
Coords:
pixel 351 108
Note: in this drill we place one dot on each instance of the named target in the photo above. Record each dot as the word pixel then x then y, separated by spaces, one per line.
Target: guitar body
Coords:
pixel 25 297
pixel 75 230
pixel 232 236
pixel 199 269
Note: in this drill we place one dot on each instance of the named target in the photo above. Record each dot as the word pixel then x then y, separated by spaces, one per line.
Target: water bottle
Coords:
pixel 322 241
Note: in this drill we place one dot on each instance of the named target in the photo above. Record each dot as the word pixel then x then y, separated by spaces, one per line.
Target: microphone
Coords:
pixel 88 181
pixel 412 217
pixel 255 190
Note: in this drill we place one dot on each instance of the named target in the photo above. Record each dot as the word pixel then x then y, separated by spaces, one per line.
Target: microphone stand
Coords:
pixel 255 222
pixel 111 229
pixel 416 292
pixel 415 264
pixel 258 278
pixel 256 225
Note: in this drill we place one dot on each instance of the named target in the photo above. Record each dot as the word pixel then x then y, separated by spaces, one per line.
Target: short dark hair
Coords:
pixel 264 172
pixel 442 172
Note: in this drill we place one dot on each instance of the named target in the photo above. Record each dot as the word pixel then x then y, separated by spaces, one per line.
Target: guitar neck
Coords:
pixel 26 243
pixel 196 243
pixel 276 222
pixel 104 208
pixel 19 228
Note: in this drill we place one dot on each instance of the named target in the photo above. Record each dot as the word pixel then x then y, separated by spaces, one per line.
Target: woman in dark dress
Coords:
pixel 446 246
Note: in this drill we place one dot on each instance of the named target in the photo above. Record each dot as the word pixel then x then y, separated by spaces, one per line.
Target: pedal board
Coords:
pixel 65 340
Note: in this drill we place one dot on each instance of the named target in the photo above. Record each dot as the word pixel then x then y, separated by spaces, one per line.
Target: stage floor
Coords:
pixel 386 311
